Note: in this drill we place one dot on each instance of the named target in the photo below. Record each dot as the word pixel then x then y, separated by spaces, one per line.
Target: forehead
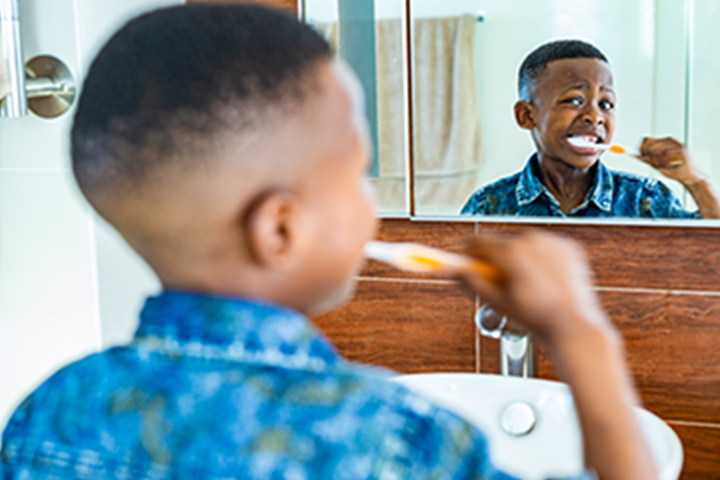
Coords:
pixel 569 73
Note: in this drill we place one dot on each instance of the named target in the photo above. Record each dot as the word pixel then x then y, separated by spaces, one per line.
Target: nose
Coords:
pixel 593 115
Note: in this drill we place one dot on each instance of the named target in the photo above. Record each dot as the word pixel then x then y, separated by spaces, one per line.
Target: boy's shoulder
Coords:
pixel 634 183
pixel 126 412
pixel 622 179
pixel 495 198
pixel 641 196
pixel 55 399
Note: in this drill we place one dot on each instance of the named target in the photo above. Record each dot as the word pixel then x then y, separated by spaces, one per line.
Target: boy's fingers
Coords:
pixel 662 152
pixel 491 248
pixel 475 281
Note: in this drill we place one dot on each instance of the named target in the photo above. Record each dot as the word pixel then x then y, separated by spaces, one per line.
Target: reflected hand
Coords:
pixel 669 157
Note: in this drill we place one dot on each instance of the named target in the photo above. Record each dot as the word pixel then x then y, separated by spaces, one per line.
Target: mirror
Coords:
pixel 664 65
pixel 465 58
pixel 370 36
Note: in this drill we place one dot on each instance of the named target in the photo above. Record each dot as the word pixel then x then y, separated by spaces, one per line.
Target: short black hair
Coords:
pixel 536 62
pixel 169 81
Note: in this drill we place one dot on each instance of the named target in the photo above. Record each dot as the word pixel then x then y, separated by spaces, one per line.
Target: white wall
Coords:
pixel 50 301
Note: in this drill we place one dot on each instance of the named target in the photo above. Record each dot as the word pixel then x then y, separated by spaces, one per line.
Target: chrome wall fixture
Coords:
pixel 44 85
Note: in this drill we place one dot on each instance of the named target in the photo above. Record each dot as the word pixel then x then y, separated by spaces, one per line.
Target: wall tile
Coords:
pixel 48 309
pixel 621 256
pixel 647 257
pixel 670 349
pixel 124 280
pixel 410 327
pixel 701 446
pixel 290 5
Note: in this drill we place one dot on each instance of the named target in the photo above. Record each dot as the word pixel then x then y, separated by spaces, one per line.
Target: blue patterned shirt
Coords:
pixel 216 388
pixel 613 194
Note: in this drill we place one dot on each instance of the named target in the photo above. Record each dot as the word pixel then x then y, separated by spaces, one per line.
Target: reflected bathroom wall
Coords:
pixel 387 97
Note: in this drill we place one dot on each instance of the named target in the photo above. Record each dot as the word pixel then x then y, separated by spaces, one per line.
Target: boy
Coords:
pixel 229 149
pixel 566 91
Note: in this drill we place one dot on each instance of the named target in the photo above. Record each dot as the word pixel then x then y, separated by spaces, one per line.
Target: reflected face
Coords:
pixel 572 98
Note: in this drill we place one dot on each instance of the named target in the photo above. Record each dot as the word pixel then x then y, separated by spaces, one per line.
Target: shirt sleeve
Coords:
pixel 472 205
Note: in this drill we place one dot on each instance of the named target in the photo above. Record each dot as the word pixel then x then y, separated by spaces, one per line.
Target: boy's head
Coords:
pixel 229 149
pixel 566 89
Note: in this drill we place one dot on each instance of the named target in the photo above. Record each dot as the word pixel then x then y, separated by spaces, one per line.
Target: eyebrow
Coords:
pixel 583 86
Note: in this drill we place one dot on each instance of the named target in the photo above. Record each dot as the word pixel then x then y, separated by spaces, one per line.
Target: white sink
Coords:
pixel 552 446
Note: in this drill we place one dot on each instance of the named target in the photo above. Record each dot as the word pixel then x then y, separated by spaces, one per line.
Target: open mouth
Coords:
pixel 583 143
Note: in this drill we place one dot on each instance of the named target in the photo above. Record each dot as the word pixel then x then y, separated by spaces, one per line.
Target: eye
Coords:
pixel 573 101
pixel 607 105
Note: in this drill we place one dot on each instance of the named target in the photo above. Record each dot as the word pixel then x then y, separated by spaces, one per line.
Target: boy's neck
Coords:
pixel 569 185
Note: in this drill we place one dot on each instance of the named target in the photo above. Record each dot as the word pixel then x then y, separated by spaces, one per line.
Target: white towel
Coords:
pixel 448 147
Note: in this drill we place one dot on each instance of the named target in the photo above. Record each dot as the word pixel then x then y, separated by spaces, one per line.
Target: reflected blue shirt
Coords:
pixel 613 194
pixel 219 388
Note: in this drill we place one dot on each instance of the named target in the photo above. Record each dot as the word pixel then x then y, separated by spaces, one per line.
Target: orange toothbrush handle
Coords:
pixel 492 273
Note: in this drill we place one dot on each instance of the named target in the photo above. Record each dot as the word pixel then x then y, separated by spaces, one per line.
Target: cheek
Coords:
pixel 348 219
pixel 610 123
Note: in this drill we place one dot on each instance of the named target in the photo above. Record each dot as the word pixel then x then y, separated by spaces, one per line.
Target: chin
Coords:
pixel 336 298
pixel 582 162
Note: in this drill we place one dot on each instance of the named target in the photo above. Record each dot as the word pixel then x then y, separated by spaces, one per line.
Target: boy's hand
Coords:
pixel 547 285
pixel 670 157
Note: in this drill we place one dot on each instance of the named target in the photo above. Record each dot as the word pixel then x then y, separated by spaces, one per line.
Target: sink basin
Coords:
pixel 531 424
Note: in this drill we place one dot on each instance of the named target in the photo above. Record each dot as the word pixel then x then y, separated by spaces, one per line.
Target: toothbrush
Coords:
pixel 414 257
pixel 583 143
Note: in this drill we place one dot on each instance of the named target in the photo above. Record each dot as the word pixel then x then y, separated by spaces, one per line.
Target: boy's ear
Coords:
pixel 524 115
pixel 271 229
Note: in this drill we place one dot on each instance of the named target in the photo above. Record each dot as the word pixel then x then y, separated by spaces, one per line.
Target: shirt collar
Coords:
pixel 601 193
pixel 238 329
pixel 529 187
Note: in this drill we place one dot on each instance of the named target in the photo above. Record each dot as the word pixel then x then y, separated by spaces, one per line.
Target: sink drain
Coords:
pixel 518 419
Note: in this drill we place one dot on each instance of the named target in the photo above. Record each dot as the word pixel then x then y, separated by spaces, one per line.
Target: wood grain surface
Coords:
pixel 659 285
pixel 410 327
pixel 621 256
pixel 701 447
pixel 289 5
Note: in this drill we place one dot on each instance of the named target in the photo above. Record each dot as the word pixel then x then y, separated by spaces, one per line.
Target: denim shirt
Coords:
pixel 613 194
pixel 218 388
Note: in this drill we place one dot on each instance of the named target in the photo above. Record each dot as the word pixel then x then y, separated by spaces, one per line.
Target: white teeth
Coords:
pixel 588 138
pixel 584 141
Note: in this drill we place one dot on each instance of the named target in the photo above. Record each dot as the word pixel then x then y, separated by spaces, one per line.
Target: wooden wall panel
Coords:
pixel 621 256
pixel 659 285
pixel 410 327
pixel 289 5
pixel 701 445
